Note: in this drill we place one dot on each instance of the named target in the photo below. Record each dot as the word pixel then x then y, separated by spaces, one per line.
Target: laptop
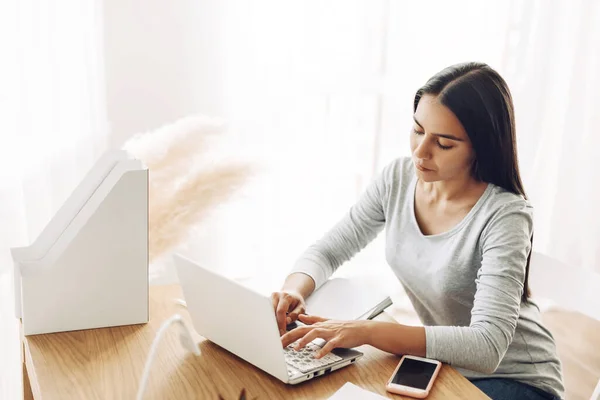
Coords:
pixel 243 322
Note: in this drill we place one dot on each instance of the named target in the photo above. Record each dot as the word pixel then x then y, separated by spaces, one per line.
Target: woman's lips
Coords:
pixel 421 168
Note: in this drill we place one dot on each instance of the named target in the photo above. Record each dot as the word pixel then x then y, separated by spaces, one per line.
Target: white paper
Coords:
pixel 344 299
pixel 352 392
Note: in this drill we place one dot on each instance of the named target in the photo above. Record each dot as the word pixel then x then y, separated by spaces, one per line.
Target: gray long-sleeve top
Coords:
pixel 465 284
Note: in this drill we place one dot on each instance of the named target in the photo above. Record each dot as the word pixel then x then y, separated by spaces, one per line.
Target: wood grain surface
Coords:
pixel 108 363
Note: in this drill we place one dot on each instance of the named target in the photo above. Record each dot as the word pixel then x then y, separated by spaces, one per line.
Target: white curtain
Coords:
pixel 52 129
pixel 293 95
pixel 324 90
pixel 553 63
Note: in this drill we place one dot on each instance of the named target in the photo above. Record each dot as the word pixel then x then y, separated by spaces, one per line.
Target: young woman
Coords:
pixel 459 233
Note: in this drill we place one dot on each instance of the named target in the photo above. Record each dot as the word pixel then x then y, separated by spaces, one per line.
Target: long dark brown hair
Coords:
pixel 481 101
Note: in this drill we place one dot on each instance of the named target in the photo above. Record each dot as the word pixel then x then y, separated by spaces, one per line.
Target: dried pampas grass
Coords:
pixel 188 178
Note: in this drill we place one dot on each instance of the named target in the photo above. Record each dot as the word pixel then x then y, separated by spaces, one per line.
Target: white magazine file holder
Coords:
pixel 88 268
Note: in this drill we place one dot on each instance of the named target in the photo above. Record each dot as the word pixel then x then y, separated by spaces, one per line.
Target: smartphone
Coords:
pixel 414 376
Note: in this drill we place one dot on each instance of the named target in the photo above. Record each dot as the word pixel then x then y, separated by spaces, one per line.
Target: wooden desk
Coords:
pixel 108 363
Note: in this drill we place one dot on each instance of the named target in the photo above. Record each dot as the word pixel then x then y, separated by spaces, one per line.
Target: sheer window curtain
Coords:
pixel 553 63
pixel 52 129
pixel 295 83
pixel 325 89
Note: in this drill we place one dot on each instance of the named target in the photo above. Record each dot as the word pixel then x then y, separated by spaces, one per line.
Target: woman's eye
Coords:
pixel 441 146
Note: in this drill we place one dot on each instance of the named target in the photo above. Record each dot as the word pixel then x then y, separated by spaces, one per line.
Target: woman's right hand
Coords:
pixel 288 305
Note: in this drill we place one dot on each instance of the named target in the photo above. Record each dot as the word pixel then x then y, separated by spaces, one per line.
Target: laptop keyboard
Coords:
pixel 304 359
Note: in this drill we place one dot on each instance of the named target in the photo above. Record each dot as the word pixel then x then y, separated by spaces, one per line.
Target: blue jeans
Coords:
pixel 508 389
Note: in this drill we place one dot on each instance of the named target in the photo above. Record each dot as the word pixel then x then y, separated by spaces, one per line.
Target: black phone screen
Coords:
pixel 414 373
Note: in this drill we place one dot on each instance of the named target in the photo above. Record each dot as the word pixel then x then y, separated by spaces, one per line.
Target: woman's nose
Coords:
pixel 422 150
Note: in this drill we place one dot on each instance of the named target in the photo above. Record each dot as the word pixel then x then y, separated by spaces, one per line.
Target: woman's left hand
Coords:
pixel 344 334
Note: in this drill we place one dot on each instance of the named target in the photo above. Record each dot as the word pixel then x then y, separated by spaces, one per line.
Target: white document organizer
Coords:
pixel 88 268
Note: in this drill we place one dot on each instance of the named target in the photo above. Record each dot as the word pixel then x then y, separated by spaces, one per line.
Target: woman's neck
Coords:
pixel 453 190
